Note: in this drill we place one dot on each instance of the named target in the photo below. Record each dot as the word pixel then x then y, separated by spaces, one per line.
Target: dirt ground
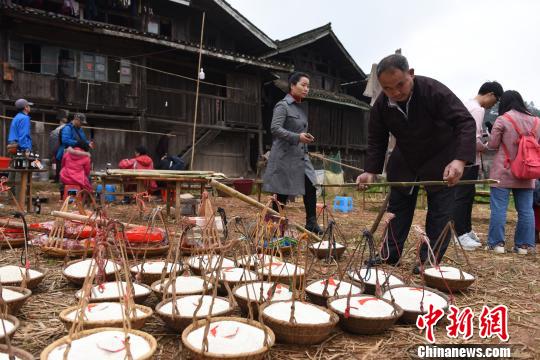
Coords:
pixel 508 279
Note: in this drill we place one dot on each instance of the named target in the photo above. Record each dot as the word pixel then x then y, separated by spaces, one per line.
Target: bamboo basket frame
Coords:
pixel 447 285
pixel 255 355
pixel 321 300
pixel 136 323
pixel 19 353
pixel 31 283
pixel 16 324
pixel 246 302
pixel 151 340
pixel 300 334
pixel 409 317
pixel 80 280
pixel 139 299
pixel 167 281
pixel 366 325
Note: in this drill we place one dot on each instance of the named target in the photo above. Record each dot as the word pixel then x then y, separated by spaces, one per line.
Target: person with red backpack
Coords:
pixel 516 165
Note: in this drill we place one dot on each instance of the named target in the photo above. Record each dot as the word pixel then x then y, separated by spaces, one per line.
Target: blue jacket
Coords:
pixel 68 137
pixel 19 131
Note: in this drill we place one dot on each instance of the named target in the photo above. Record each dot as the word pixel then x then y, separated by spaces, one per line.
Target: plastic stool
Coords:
pixel 109 189
pixel 343 203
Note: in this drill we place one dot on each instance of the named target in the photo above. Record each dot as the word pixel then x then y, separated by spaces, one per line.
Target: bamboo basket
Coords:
pixel 366 325
pixel 149 251
pixel 447 285
pixel 148 278
pixel 244 304
pixel 12 319
pixel 149 338
pixel 63 253
pixel 139 299
pixel 287 279
pixel 321 253
pixel 372 288
pixel 409 317
pixel 256 355
pixel 159 293
pixel 300 334
pixel 11 243
pixel 136 323
pixel 80 280
pixel 13 306
pixel 179 323
pixel 321 300
pixel 19 353
pixel 30 284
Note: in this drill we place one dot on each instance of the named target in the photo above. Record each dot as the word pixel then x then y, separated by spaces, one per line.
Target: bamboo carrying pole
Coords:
pixel 224 188
pixel 415 183
pixel 319 156
pixel 86 219
pixel 197 94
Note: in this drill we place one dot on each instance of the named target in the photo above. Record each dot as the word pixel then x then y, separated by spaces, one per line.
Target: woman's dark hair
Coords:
pixel 142 150
pixel 512 100
pixel 295 77
pixel 82 145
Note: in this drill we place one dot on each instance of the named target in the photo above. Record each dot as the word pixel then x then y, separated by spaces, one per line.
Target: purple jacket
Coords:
pixel 504 132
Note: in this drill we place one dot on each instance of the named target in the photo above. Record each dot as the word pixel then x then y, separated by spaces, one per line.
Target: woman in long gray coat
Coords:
pixel 289 170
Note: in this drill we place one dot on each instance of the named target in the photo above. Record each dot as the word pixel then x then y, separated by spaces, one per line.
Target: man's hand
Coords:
pixel 92 144
pixel 365 178
pixel 453 172
pixel 306 138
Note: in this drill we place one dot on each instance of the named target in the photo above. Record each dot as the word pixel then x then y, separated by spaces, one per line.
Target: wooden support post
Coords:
pixel 178 204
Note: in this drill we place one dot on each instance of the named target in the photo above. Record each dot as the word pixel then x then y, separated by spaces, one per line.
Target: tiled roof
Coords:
pixel 108 28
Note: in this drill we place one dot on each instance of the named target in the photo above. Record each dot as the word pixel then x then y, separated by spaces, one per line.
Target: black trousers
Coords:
pixel 310 200
pixel 464 201
pixel 440 209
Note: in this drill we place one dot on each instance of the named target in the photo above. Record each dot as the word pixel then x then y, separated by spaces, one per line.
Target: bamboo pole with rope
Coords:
pixel 415 183
pixel 197 94
pixel 321 157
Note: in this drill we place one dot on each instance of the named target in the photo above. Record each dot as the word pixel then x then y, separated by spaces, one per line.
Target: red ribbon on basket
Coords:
pixel 363 301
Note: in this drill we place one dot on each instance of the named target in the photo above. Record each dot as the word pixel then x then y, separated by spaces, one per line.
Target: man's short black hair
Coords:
pixel 394 61
pixel 491 87
pixel 142 150
pixel 295 77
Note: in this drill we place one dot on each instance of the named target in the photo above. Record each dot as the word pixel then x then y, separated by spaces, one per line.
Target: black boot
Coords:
pixel 311 225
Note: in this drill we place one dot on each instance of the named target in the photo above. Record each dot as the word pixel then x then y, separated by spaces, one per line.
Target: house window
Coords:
pixel 93 67
pixel 32 58
pixel 153 27
pixel 16 50
pixel 66 62
pixel 49 60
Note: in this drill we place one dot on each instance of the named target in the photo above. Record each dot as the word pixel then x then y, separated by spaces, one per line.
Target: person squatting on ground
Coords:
pixel 504 138
pixel 488 95
pixel 289 170
pixel 435 139
pixel 140 161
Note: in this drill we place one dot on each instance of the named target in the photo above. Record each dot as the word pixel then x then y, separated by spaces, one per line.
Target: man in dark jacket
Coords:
pixel 435 138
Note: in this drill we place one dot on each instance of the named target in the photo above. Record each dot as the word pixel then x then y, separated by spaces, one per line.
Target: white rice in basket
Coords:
pixel 9 327
pixel 325 245
pixel 366 306
pixel 448 272
pixel 370 277
pixel 210 263
pixel 12 273
pixel 155 267
pixel 4 356
pixel 235 274
pixel 260 258
pixel 10 295
pixel 80 268
pixel 304 313
pixel 409 298
pixel 103 311
pixel 105 345
pixel 109 290
pixel 280 269
pixel 228 337
pixel 186 306
pixel 344 287
pixel 183 285
pixel 254 290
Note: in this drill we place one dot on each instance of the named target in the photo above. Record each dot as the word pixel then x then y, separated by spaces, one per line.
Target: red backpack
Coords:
pixel 526 164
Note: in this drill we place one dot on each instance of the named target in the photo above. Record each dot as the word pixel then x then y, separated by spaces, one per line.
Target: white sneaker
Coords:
pixel 467 243
pixel 498 249
pixel 474 237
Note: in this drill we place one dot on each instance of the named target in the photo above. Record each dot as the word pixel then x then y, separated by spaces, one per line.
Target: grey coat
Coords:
pixel 289 159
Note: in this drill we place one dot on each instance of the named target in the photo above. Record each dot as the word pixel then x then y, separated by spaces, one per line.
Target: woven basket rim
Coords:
pixel 25 355
pixel 148 337
pixel 160 291
pixel 438 292
pixel 13 242
pixel 172 316
pixel 12 319
pixel 358 285
pixel 38 278
pixel 146 309
pixel 54 251
pixel 145 272
pixel 396 306
pixel 334 319
pixel 111 299
pixel 239 285
pixel 436 278
pixel 271 338
pixel 26 293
